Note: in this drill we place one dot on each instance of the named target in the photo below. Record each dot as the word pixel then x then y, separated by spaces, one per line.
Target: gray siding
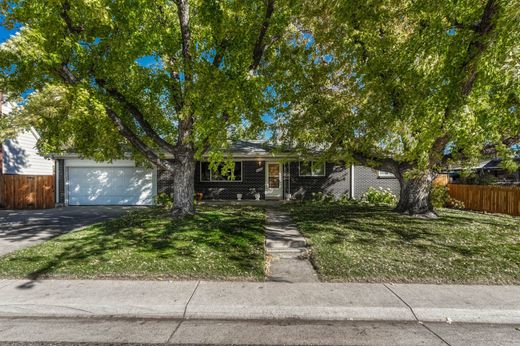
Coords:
pixel 336 181
pixel 20 156
pixel 253 180
pixel 365 177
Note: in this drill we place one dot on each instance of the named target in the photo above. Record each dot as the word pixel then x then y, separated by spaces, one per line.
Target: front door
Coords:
pixel 273 181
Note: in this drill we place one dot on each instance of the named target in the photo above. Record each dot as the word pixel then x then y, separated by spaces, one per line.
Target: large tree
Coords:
pixel 405 86
pixel 165 80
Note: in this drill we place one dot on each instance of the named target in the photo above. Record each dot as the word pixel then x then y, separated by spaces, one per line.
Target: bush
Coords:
pixel 321 197
pixel 164 200
pixel 441 198
pixel 455 204
pixel 379 196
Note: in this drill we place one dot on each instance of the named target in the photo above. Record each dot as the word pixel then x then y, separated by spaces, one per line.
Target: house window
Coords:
pixel 312 169
pixel 383 174
pixel 209 175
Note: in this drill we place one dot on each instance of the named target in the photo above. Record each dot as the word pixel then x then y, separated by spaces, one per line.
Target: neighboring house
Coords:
pixel 257 170
pixel 26 178
pixel 486 172
pixel 19 155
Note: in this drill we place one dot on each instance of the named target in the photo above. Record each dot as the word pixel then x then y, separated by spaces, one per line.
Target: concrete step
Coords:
pixel 285 243
pixel 294 252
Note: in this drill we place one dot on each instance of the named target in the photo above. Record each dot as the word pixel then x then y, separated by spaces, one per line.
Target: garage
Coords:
pixel 109 185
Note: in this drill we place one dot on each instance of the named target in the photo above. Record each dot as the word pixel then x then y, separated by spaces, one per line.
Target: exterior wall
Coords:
pixel 20 156
pixel 164 182
pixel 365 177
pixel 253 180
pixel 336 181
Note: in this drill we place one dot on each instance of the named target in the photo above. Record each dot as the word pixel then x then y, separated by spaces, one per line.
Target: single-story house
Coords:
pixel 258 170
pixel 486 172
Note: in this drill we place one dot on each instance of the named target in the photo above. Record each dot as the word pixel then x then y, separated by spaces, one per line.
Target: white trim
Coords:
pixel 96 164
pixel 66 185
pixel 385 175
pixel 279 195
pixel 312 166
pixel 221 181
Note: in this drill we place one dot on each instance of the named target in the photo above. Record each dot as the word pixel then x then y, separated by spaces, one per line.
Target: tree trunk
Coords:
pixel 415 195
pixel 183 187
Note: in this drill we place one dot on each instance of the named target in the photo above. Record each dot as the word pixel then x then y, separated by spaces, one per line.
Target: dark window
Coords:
pixel 312 169
pixel 207 174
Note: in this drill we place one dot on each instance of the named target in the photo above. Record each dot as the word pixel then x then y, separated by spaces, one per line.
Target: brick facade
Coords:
pixel 365 177
pixel 336 181
pixel 253 180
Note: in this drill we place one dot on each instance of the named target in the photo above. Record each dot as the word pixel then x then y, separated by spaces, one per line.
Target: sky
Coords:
pixel 4 33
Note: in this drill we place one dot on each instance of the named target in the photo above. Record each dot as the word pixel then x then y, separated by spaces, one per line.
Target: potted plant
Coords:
pixel 239 196
pixel 257 196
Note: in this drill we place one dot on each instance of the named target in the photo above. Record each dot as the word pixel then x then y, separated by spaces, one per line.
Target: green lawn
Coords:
pixel 373 244
pixel 217 243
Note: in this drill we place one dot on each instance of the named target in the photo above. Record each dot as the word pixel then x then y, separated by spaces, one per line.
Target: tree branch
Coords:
pixel 491 149
pixel 476 47
pixel 65 8
pixel 66 74
pixel 385 164
pixel 259 48
pixel 183 10
pixel 219 55
pixel 127 133
pixel 69 78
pixel 138 116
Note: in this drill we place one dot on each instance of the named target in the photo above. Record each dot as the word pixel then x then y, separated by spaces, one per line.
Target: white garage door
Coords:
pixel 110 186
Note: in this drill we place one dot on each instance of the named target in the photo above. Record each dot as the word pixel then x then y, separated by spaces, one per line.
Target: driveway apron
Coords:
pixel 23 228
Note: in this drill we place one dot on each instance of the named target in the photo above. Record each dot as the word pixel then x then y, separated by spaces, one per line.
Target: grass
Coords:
pixel 217 243
pixel 373 244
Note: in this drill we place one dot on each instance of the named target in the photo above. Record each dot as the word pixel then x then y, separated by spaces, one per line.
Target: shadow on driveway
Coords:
pixel 22 228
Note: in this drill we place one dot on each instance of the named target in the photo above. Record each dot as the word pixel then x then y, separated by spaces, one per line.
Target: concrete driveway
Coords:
pixel 22 228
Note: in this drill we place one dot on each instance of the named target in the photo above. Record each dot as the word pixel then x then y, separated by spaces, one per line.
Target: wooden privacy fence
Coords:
pixel 27 191
pixel 488 198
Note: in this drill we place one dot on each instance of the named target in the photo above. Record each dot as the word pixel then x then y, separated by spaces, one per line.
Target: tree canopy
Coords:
pixel 406 86
pixel 160 79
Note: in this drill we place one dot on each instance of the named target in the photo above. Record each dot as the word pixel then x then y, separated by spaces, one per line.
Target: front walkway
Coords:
pixel 286 250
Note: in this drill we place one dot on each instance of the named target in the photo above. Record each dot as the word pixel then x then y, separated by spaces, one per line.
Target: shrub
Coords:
pixel 321 197
pixel 455 203
pixel 379 196
pixel 441 198
pixel 164 200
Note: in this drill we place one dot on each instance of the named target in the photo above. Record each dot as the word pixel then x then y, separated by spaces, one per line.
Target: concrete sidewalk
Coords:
pixel 260 301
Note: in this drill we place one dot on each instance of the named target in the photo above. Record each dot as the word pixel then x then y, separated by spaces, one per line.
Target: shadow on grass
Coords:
pixel 376 225
pixel 234 235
